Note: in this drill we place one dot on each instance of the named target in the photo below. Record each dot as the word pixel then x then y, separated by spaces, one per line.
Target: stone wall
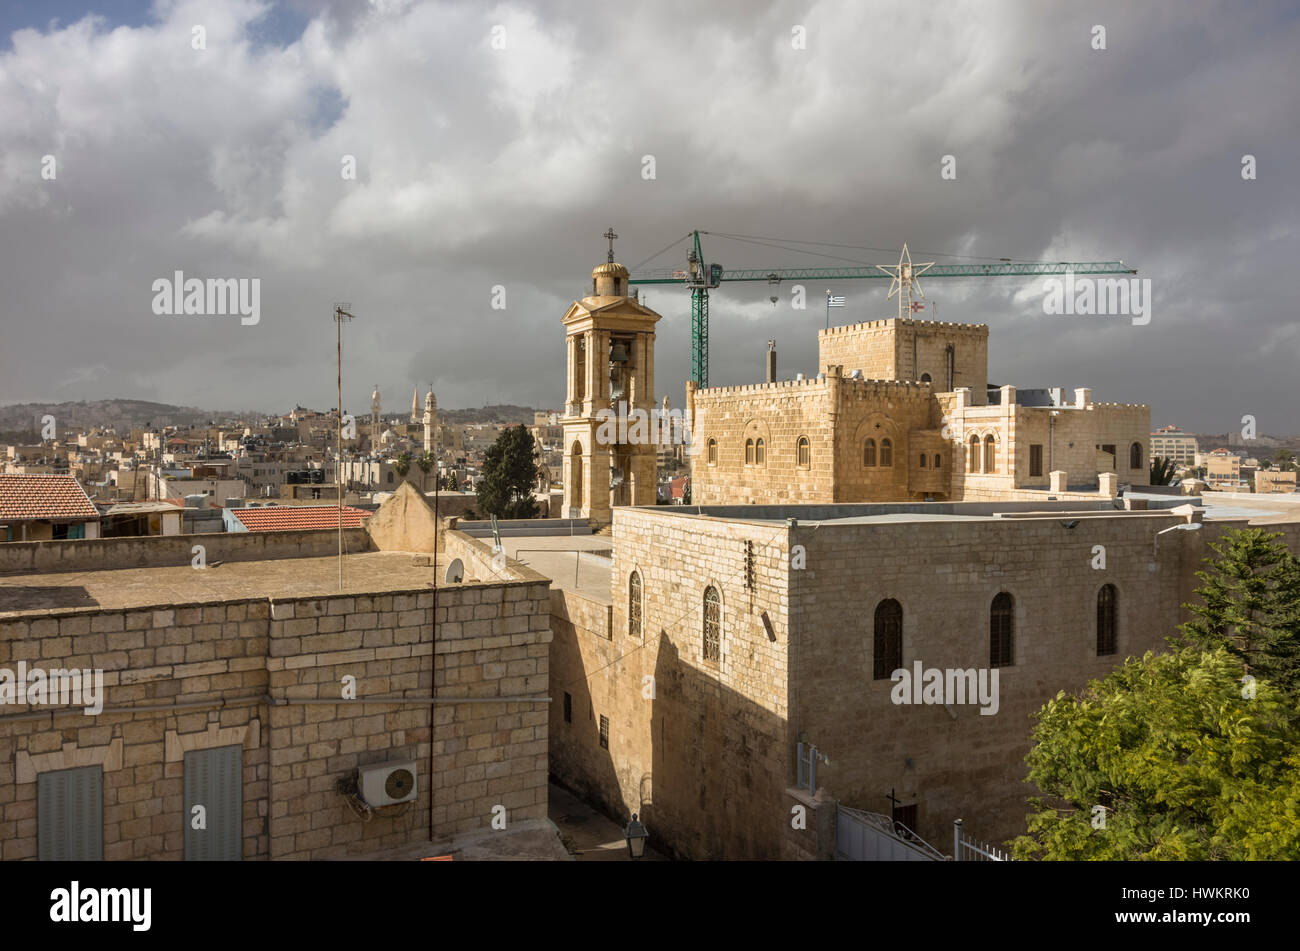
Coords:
pixel 98 554
pixel 269 674
pixel 701 749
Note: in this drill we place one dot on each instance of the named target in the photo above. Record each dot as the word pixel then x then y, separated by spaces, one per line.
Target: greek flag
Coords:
pixel 834 301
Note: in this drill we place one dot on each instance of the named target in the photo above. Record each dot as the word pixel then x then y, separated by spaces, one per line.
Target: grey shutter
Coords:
pixel 70 814
pixel 214 779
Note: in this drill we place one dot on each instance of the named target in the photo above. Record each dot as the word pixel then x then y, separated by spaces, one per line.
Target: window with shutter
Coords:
pixel 214 779
pixel 70 815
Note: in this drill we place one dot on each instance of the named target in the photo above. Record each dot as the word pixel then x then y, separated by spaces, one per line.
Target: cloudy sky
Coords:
pixel 493 144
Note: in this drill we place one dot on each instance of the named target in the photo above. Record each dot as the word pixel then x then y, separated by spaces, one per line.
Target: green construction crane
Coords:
pixel 701 278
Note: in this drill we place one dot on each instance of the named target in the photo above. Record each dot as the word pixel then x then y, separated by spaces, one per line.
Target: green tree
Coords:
pixel 403 465
pixel 1284 459
pixel 509 473
pixel 1162 471
pixel 1184 761
pixel 1250 606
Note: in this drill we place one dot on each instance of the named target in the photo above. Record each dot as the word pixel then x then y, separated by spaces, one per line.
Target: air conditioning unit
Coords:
pixel 387 784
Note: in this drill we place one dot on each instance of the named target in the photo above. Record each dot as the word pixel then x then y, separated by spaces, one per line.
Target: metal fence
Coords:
pixel 968 849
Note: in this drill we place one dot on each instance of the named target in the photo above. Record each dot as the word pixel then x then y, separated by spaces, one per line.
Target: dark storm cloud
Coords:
pixel 479 167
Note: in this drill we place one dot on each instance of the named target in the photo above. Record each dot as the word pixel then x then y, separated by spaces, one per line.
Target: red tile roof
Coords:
pixel 284 518
pixel 26 497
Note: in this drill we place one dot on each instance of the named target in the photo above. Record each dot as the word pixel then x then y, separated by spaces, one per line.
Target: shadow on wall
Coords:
pixel 31 597
pixel 718 764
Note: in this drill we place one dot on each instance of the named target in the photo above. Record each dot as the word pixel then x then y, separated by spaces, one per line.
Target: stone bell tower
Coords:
pixel 610 340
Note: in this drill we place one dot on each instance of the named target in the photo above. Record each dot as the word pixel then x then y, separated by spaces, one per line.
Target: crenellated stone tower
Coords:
pixel 610 341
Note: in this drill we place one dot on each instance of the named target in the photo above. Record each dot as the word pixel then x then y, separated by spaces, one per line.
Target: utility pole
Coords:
pixel 340 314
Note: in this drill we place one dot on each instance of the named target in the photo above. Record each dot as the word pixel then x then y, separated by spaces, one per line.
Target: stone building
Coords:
pixel 733 633
pixel 308 722
pixel 903 412
pixel 610 341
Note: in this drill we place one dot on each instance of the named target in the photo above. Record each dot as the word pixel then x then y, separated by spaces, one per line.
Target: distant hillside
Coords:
pixel 507 413
pixel 122 415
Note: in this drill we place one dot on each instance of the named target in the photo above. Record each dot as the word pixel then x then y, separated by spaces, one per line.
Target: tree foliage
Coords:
pixel 403 465
pixel 1250 605
pixel 1193 754
pixel 1162 470
pixel 1184 765
pixel 509 473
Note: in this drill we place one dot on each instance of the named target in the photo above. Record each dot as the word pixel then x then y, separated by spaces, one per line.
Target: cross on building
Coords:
pixel 610 236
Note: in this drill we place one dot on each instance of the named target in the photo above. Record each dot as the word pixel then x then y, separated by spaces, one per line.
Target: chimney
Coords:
pixel 771 361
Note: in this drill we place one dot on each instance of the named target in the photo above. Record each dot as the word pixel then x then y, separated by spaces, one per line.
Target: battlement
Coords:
pixel 889 322
pixel 761 388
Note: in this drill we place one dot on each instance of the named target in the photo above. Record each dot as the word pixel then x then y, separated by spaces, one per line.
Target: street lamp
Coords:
pixel 636 836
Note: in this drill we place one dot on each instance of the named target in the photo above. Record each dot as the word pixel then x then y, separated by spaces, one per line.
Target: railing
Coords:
pixel 967 849
pixel 869 836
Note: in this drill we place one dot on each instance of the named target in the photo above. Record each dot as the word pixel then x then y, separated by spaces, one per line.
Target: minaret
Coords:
pixel 610 347
pixel 374 418
pixel 415 405
pixel 430 419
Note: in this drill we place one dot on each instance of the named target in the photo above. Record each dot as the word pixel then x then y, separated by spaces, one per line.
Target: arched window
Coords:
pixel 760 452
pixel 1135 456
pixel 886 452
pixel 713 452
pixel 803 452
pixel 575 471
pixel 749 452
pixel 869 452
pixel 922 460
pixel 1106 603
pixel 925 378
pixel 634 605
pixel 990 454
pixel 938 461
pixel 712 625
pixel 1002 631
pixel 887 647
pixel 973 457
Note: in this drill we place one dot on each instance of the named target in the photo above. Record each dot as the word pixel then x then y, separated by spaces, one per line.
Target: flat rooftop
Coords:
pixel 1261 510
pixel 578 563
pixel 121 588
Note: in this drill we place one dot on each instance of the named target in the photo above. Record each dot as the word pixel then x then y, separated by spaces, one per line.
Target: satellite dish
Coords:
pixel 455 571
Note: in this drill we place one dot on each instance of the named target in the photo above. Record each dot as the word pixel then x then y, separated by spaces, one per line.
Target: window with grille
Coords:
pixel 973 457
pixel 990 454
pixel 1106 620
pixel 760 453
pixel 712 625
pixel 887 647
pixel 604 732
pixel 869 453
pixel 1035 460
pixel 804 453
pixel 1002 631
pixel 749 452
pixel 634 605
pixel 1135 456
pixel 886 452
